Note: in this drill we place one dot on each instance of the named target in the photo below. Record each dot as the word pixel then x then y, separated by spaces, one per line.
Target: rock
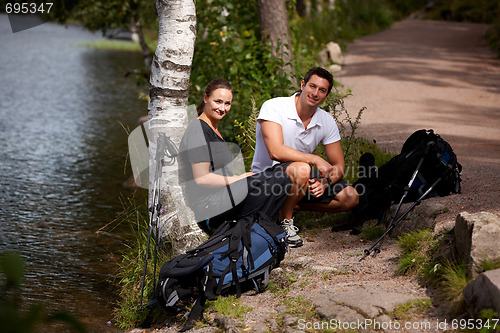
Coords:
pixel 335 53
pixel 260 328
pixel 290 321
pixel 323 58
pixel 334 68
pixel 298 263
pixel 327 310
pixel 273 325
pixel 227 324
pixel 332 53
pixel 307 263
pixel 483 292
pixel 476 239
pixel 355 302
pixel 420 217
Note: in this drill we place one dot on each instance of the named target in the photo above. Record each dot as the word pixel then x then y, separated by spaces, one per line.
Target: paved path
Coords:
pixel 439 75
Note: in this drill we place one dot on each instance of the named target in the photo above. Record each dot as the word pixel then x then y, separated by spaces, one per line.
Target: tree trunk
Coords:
pixel 300 7
pixel 168 99
pixel 136 30
pixel 274 26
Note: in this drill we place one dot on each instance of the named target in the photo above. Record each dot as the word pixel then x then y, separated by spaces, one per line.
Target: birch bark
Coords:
pixel 168 105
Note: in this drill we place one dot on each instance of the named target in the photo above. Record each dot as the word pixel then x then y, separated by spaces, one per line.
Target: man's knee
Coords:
pixel 348 198
pixel 299 172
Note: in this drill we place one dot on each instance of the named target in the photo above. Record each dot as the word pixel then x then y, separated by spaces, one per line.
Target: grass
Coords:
pixel 452 281
pixel 109 44
pixel 229 306
pixel 128 312
pixel 418 248
pixel 447 275
pixel 409 309
pixel 372 233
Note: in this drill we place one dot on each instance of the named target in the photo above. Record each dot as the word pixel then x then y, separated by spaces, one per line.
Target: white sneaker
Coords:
pixel 292 239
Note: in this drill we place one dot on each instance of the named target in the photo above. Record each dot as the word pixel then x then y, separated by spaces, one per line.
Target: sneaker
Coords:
pixel 292 239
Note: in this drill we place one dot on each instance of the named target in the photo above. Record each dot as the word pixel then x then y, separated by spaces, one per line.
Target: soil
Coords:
pixel 417 74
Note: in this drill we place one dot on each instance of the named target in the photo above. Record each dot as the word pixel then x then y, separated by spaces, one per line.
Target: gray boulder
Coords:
pixel 476 238
pixel 421 217
pixel 331 53
pixel 483 292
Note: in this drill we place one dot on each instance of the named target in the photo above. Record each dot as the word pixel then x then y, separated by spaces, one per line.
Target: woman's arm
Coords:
pixel 203 176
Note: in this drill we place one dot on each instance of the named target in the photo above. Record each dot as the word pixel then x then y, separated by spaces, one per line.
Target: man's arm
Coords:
pixel 335 156
pixel 272 134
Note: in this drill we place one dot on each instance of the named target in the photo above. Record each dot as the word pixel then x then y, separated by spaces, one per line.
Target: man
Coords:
pixel 288 131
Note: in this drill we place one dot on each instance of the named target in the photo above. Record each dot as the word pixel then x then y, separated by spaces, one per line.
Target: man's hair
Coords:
pixel 322 73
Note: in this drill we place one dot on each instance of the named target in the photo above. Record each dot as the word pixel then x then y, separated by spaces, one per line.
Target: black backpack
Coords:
pixel 423 150
pixel 238 254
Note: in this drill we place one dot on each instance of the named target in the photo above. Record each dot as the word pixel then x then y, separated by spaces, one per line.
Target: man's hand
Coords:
pixel 317 186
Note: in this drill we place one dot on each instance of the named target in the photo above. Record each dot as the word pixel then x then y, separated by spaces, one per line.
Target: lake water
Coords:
pixel 62 163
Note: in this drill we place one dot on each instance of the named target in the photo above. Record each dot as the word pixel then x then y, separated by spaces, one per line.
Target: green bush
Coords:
pixel 231 46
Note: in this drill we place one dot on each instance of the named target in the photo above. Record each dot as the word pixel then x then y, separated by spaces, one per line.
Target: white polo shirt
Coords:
pixel 282 110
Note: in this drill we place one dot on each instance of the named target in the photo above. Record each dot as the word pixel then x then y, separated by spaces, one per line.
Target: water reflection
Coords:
pixel 62 161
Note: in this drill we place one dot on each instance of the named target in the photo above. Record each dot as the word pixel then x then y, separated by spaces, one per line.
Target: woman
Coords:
pixel 213 191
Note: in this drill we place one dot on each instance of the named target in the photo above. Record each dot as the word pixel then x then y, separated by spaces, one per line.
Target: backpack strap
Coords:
pixel 209 283
pixel 223 174
pixel 238 235
pixel 195 313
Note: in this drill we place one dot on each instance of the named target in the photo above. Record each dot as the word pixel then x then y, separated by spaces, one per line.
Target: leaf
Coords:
pixel 12 265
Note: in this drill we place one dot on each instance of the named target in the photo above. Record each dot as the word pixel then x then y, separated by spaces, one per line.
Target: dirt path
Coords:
pixel 439 75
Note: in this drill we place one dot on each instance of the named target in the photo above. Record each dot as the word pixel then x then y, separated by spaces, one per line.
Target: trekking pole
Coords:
pixel 154 211
pixel 376 250
pixel 367 252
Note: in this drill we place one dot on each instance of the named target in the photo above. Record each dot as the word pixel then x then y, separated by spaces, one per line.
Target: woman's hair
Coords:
pixel 211 87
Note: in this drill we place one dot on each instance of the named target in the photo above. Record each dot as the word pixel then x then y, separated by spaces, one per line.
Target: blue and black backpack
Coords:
pixel 237 255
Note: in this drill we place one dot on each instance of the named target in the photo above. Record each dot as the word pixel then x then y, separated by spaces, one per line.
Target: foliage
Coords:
pixel 421 257
pixel 129 313
pixel 418 248
pixel 110 15
pixel 490 317
pixel 229 45
pixel 489 265
pixel 372 232
pixel 13 316
pixel 229 306
pixel 477 11
pixel 347 126
pixel 347 21
pixel 407 310
pixel 493 36
pixel 246 136
pixel 452 281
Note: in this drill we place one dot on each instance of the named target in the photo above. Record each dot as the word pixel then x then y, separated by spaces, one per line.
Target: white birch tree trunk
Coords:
pixel 168 103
